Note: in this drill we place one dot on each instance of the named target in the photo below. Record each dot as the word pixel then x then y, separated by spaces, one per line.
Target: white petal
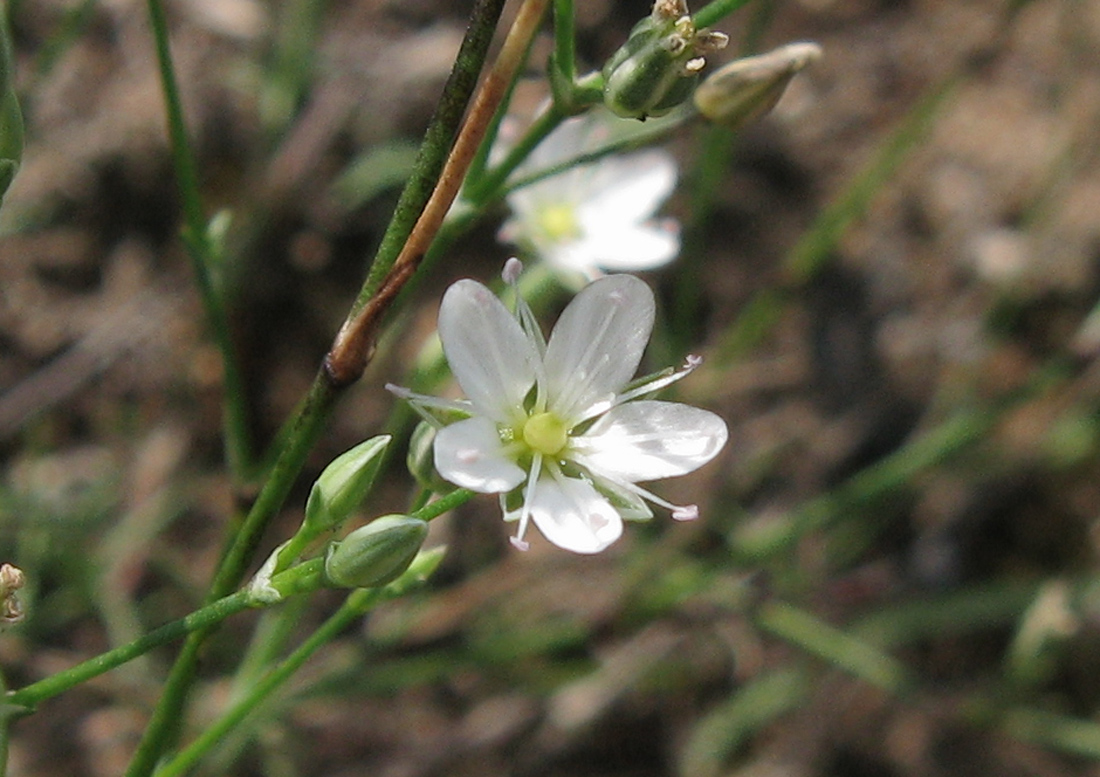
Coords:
pixel 629 248
pixel 468 453
pixel 628 189
pixel 597 343
pixel 648 440
pixel 572 515
pixel 488 352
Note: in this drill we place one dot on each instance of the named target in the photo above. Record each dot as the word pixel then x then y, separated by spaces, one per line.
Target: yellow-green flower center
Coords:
pixel 559 221
pixel 545 433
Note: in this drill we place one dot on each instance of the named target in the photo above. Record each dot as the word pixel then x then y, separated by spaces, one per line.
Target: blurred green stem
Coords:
pixel 493 180
pixel 297 580
pixel 758 544
pixel 716 11
pixel 351 351
pixel 838 648
pixel 817 245
pixel 204 255
pixel 357 604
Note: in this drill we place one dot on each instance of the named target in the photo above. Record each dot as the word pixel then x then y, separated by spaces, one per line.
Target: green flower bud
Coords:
pixel 344 485
pixel 746 89
pixel 658 66
pixel 11 118
pixel 421 460
pixel 375 554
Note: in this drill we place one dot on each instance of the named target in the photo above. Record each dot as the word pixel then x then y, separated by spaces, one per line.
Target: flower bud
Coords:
pixel 746 89
pixel 658 66
pixel 344 485
pixel 375 554
pixel 11 118
pixel 11 580
pixel 421 460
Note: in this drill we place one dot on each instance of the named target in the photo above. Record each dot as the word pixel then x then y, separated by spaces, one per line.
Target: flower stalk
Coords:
pixel 350 358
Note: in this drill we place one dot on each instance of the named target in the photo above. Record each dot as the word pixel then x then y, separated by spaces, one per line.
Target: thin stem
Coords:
pixel 202 253
pixel 432 156
pixel 163 726
pixel 358 603
pixel 493 181
pixel 716 11
pixel 351 351
pixel 298 580
pixel 565 37
pixel 32 695
pixel 837 647
pixel 444 504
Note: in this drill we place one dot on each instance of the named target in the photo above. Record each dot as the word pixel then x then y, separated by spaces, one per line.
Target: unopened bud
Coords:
pixel 375 554
pixel 658 66
pixel 344 484
pixel 11 580
pixel 421 460
pixel 746 89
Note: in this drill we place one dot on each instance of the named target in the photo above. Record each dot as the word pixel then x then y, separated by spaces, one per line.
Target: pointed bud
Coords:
pixel 343 486
pixel 421 460
pixel 658 66
pixel 375 554
pixel 746 89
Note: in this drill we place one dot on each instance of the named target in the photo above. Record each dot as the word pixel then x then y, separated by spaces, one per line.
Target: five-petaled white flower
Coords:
pixel 556 428
pixel 595 216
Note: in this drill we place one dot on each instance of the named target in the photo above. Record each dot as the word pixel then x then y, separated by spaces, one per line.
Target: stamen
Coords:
pixel 679 512
pixel 513 268
pixel 530 326
pixel 648 387
pixel 686 513
pixel 528 495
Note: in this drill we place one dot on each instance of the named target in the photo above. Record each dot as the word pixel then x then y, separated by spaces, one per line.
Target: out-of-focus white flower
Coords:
pixel 596 216
pixel 557 428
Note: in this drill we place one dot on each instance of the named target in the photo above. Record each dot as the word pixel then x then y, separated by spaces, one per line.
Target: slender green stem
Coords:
pixel 817 245
pixel 358 603
pixel 203 253
pixel 840 649
pixel 711 168
pixel 444 504
pixel 314 412
pixel 436 145
pixel 565 40
pixel 716 11
pixel 494 179
pixel 655 130
pixel 297 580
pixel 34 694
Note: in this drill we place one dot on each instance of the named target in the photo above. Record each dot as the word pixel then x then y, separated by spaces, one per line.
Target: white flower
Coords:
pixel 556 428
pixel 596 216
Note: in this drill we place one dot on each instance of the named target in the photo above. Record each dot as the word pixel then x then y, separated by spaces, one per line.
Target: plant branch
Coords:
pixel 203 254
pixel 314 412
pixel 352 349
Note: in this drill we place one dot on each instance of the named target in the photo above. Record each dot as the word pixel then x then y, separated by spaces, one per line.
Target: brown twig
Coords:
pixel 354 344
